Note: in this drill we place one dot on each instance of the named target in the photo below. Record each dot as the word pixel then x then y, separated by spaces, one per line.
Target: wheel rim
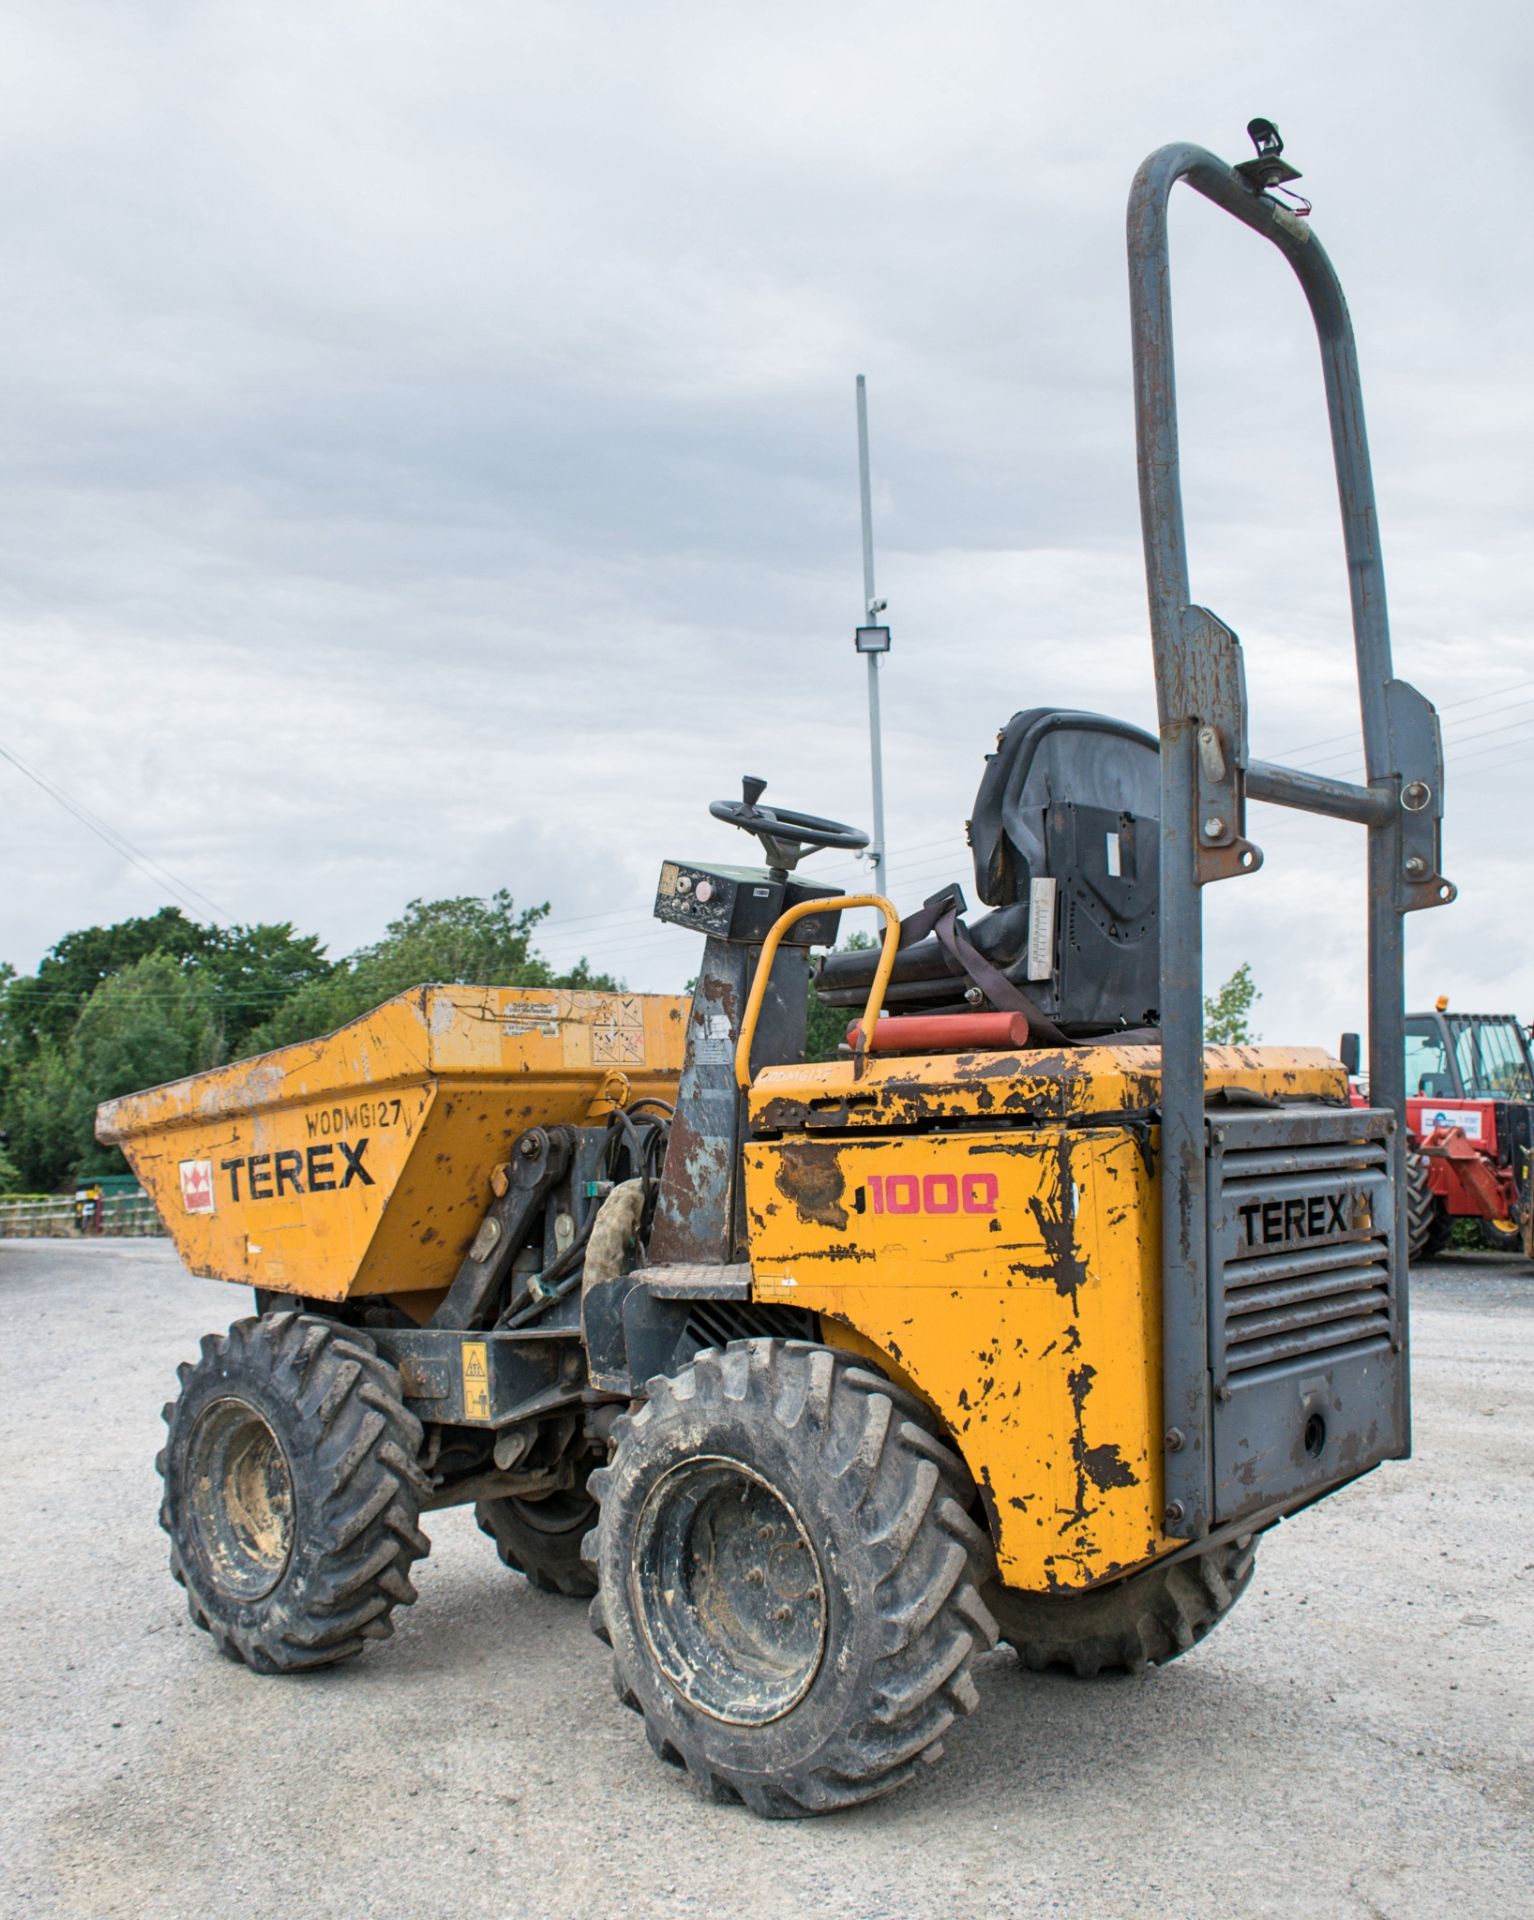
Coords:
pixel 240 1499
pixel 728 1591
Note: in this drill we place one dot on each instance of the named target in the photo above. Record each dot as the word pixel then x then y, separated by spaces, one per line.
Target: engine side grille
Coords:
pixel 1288 1299
pixel 1306 1303
pixel 1310 1268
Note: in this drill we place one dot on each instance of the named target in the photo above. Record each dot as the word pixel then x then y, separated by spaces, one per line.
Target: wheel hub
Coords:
pixel 728 1591
pixel 240 1499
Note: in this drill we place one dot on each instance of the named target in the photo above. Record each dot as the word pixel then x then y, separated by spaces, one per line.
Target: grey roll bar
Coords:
pixel 1207 776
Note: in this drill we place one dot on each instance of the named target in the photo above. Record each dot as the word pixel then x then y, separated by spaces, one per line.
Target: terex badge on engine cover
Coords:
pixel 1300 1217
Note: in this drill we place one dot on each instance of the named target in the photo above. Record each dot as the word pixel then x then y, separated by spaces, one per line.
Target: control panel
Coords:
pixel 740 904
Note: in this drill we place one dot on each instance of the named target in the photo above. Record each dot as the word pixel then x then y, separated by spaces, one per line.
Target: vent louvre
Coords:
pixel 1306 1303
pixel 1313 1295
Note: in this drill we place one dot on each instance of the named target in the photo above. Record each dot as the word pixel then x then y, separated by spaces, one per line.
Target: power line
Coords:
pixel 1444 706
pixel 1486 732
pixel 1496 766
pixel 1497 746
pixel 1353 753
pixel 119 843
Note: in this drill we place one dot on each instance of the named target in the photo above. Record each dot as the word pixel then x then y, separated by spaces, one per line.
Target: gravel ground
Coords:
pixel 1356 1740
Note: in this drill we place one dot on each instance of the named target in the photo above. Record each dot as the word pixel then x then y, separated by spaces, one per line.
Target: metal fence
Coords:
pixel 61 1217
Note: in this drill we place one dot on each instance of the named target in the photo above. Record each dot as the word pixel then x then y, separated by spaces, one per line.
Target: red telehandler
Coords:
pixel 1470 1120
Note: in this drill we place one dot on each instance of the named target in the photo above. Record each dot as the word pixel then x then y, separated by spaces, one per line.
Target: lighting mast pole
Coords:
pixel 873 640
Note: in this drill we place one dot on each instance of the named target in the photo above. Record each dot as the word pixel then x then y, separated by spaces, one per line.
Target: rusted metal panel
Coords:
pixel 1019 1087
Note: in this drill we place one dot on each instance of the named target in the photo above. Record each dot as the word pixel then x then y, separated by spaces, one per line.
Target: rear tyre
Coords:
pixel 1146 1620
pixel 1428 1226
pixel 541 1539
pixel 789 1577
pixel 292 1492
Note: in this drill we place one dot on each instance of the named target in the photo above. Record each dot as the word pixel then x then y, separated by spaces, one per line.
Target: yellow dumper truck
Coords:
pixel 1024 1318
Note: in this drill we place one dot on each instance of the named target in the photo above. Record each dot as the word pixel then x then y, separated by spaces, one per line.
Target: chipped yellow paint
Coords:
pixel 438 1082
pixel 893 1090
pixel 1007 1268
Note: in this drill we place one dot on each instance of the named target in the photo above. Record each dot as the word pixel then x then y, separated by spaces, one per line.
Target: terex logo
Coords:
pixel 1316 1216
pixel 315 1169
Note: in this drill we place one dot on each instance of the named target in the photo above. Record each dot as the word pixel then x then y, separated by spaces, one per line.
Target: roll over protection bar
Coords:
pixel 1207 775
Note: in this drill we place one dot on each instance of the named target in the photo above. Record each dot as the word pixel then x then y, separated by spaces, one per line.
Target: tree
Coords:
pixel 41 1123
pixel 150 1023
pixel 146 1024
pixel 10 1175
pixel 254 970
pixel 251 969
pixel 1228 1013
pixel 47 1005
pixel 464 940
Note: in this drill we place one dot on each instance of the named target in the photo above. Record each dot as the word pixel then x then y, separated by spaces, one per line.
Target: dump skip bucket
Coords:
pixel 360 1163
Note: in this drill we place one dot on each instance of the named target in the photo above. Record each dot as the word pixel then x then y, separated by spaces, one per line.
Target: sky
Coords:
pixel 428 457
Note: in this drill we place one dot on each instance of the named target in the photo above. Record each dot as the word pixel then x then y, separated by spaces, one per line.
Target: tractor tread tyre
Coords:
pixel 350 1449
pixel 1146 1620
pixel 1428 1227
pixel 547 1556
pixel 883 1507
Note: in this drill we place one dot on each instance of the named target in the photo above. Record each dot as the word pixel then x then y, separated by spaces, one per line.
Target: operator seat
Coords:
pixel 1066 841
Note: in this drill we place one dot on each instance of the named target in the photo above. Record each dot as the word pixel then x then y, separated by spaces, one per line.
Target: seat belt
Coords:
pixel 940 916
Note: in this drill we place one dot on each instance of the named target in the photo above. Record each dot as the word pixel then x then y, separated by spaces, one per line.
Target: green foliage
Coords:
pixel 250 970
pixel 1228 1013
pixel 828 1025
pixel 11 1181
pixel 41 1122
pixel 47 1006
pixel 148 1023
pixel 253 970
pixel 483 942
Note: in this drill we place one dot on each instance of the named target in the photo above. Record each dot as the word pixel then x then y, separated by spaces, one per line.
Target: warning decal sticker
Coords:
pixel 476 1380
pixel 530 1016
pixel 197 1186
pixel 617 1034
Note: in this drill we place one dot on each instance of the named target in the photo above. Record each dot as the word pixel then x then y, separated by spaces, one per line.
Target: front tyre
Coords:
pixel 1428 1225
pixel 292 1492
pixel 789 1577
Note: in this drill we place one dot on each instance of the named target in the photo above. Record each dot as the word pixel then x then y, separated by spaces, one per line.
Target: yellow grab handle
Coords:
pixel 770 945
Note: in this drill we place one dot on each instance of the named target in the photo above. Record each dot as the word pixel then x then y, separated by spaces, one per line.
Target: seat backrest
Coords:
pixel 1073 798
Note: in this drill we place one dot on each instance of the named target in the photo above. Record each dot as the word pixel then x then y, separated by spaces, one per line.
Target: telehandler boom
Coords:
pixel 1024 1319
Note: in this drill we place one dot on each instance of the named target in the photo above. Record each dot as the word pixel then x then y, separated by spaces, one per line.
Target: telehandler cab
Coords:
pixel 1026 1318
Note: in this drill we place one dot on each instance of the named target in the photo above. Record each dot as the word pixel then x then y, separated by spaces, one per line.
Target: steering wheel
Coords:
pixel 787 836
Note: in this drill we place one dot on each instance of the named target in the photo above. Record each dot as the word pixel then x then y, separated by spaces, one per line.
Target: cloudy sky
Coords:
pixel 428 457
